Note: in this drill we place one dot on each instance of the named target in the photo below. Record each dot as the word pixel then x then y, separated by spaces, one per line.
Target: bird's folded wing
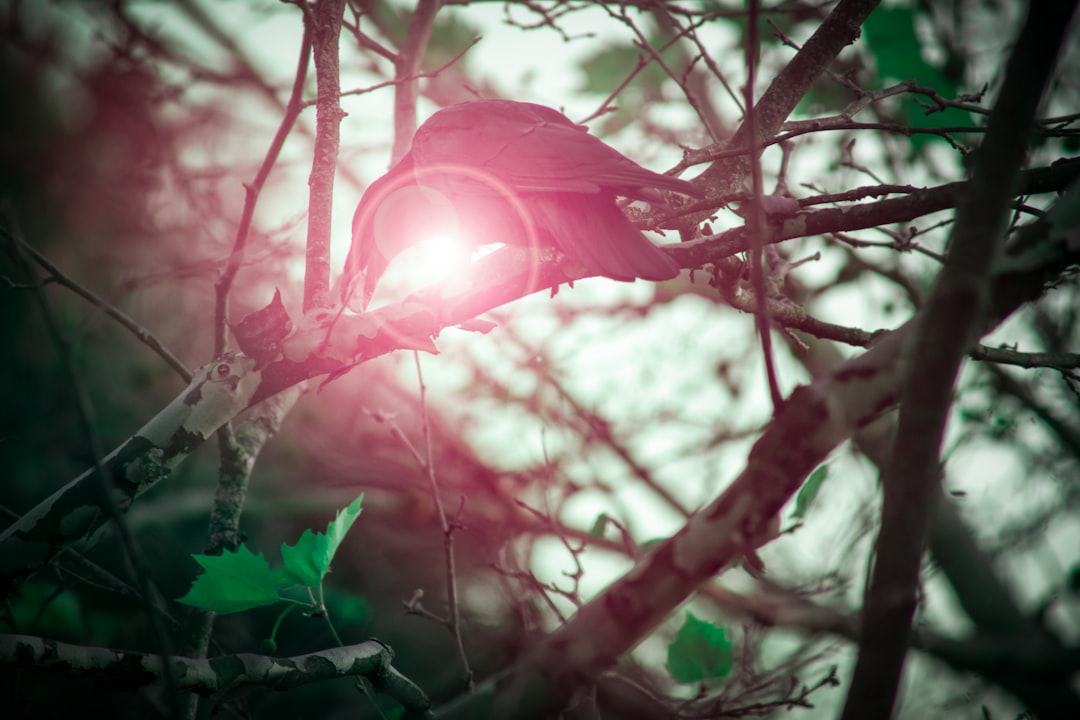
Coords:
pixel 532 151
pixel 599 236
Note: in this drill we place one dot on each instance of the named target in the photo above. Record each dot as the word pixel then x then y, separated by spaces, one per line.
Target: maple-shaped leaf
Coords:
pixel 700 652
pixel 308 561
pixel 233 581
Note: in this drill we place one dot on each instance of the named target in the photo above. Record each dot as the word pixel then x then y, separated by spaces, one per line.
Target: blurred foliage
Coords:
pixel 899 55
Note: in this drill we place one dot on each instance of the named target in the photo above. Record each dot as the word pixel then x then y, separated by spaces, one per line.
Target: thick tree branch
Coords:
pixel 218 391
pixel 219 675
pixel 861 216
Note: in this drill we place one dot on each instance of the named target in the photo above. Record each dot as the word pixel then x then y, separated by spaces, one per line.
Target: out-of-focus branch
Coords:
pixel 142 334
pixel 986 599
pixel 953 316
pixel 1006 383
pixel 102 485
pixel 407 71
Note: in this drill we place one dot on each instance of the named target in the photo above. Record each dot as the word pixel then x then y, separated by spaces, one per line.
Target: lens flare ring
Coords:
pixel 440 174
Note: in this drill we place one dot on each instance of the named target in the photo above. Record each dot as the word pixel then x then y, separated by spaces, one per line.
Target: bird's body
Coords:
pixel 517 173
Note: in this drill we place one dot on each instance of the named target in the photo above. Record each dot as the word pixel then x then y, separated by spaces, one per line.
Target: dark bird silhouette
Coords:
pixel 511 172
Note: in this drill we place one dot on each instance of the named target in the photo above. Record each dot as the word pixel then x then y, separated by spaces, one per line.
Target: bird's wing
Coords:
pixel 532 149
pixel 599 236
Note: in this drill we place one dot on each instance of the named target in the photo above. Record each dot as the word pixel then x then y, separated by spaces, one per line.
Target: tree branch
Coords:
pixel 840 29
pixel 326 31
pixel 407 72
pixel 218 675
pixel 953 316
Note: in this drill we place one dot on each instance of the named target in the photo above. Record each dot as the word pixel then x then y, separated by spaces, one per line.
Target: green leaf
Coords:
pixel 337 529
pixel 700 652
pixel 809 491
pixel 308 561
pixel 607 67
pixel 599 525
pixel 610 64
pixel 451 35
pixel 232 581
pixel 890 35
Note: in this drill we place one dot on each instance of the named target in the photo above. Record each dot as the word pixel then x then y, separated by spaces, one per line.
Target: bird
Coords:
pixel 502 171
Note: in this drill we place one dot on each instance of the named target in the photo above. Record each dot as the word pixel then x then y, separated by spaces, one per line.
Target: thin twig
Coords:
pixel 759 229
pixel 251 195
pixel 418 76
pixel 448 529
